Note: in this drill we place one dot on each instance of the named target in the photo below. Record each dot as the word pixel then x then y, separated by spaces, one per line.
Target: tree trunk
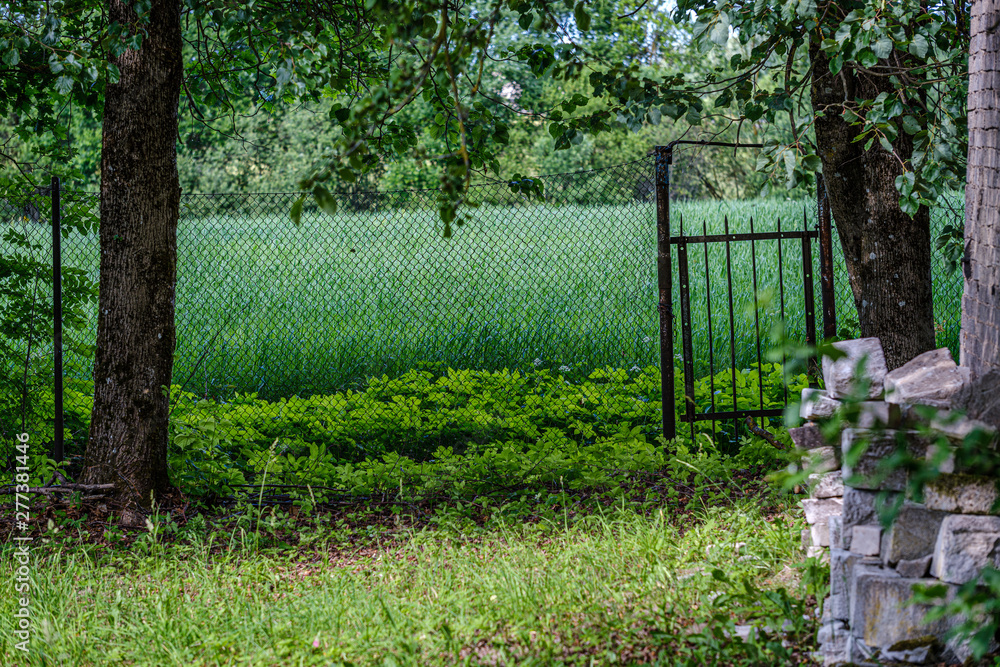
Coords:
pixel 981 300
pixel 887 253
pixel 140 198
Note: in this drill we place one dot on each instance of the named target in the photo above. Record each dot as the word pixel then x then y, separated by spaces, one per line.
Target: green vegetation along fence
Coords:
pixel 537 314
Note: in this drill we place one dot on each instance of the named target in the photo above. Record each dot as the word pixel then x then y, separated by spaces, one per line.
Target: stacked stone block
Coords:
pixel 947 539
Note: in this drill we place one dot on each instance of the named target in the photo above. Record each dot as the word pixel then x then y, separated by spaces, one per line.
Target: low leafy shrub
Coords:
pixel 457 432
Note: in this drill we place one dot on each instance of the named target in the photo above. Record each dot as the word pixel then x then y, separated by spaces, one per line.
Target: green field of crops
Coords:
pixel 264 306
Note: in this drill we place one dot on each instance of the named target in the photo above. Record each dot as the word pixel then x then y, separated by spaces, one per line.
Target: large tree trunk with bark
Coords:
pixel 887 252
pixel 140 198
pixel 981 300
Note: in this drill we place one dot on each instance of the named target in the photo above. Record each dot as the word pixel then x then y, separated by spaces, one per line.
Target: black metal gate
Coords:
pixel 695 245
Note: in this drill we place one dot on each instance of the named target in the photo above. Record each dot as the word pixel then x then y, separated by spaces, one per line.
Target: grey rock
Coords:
pixel 806 537
pixel 826 485
pixel 865 471
pixel 881 612
pixel 957 426
pixel 820 534
pixel 913 535
pixel 827 615
pixel 807 437
pixel 821 459
pixel 841 566
pixel 861 568
pixel 835 525
pixel 966 494
pixel 959 650
pixel 861 507
pixel 914 569
pixel 931 378
pixel 858 653
pixel 830 630
pixel 912 653
pixel 877 415
pixel 980 398
pixel 821 509
pixel 839 375
pixel 866 540
pixel 943 457
pixel 965 545
pixel 816 552
pixel 816 404
pixel 838 606
pixel 834 652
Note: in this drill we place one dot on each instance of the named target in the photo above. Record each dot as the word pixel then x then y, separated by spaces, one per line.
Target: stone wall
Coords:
pixel 946 539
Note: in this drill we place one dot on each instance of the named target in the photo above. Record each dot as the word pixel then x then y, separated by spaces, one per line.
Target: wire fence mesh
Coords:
pixel 365 333
pixel 947 279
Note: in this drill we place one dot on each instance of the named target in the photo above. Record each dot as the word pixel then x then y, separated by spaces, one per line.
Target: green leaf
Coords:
pixel 918 46
pixel 828 45
pixel 867 59
pixel 910 125
pixel 720 32
pixel 296 212
pixel 806 8
pixel 11 58
pixel 582 17
pixel 325 200
pixel 64 84
pixel 843 33
pixel 789 158
pixel 812 162
pixel 883 47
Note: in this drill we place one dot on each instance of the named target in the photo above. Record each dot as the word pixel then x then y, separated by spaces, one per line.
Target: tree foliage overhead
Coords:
pixel 919 48
pixel 746 64
pixel 371 61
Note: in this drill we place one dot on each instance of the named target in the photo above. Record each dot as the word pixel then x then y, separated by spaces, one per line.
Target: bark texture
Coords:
pixel 887 253
pixel 980 342
pixel 140 198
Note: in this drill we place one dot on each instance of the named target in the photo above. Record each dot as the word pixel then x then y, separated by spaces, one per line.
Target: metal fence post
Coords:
pixel 57 444
pixel 664 156
pixel 826 259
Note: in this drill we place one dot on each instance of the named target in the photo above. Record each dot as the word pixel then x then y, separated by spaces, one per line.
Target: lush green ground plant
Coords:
pixel 447 431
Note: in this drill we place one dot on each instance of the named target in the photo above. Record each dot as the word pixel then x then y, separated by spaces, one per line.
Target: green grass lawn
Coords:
pixel 602 587
pixel 265 306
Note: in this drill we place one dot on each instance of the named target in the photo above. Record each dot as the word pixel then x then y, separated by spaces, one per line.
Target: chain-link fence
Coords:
pixel 947 279
pixel 365 332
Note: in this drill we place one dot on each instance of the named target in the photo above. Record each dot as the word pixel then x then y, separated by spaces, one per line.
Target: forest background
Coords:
pixel 266 143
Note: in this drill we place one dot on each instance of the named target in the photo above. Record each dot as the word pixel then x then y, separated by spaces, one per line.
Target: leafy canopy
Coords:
pixel 375 59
